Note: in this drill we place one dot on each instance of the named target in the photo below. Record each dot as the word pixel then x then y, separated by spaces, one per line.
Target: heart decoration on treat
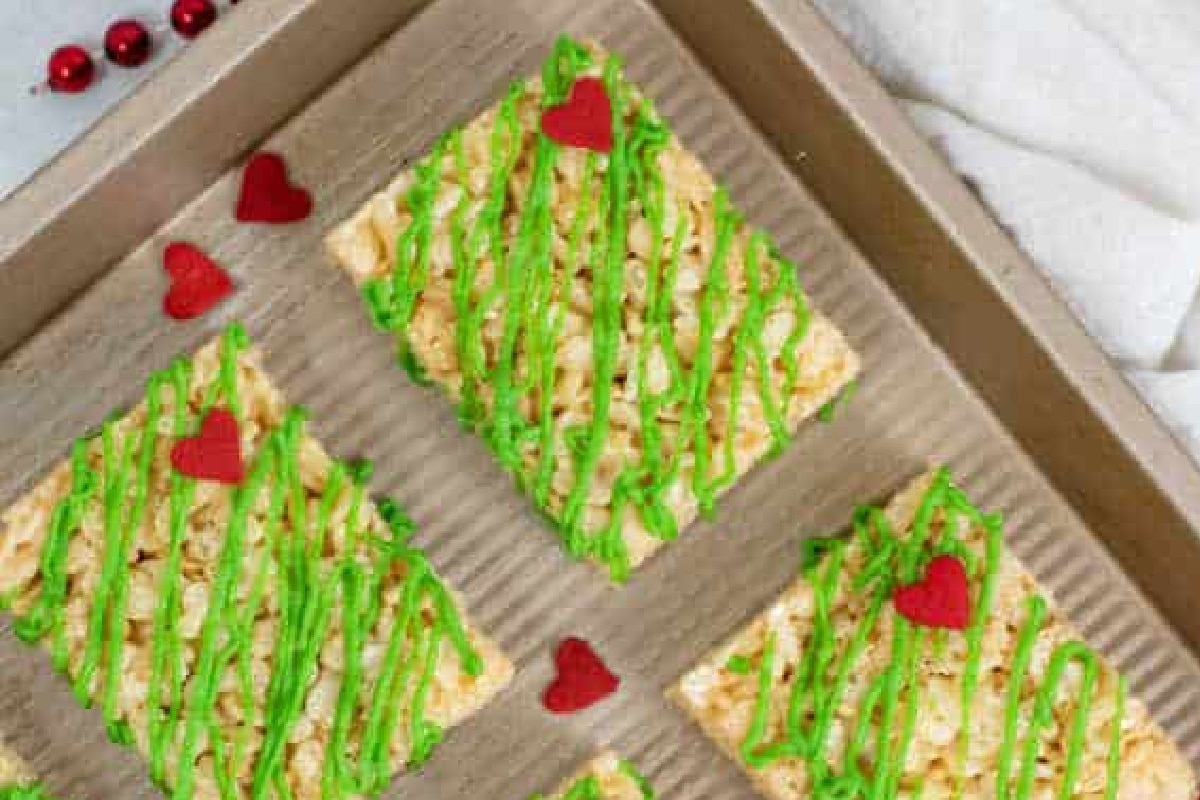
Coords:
pixel 585 120
pixel 197 282
pixel 582 679
pixel 268 196
pixel 939 600
pixel 213 454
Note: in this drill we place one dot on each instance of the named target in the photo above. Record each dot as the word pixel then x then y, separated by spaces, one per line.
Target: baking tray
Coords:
pixel 969 359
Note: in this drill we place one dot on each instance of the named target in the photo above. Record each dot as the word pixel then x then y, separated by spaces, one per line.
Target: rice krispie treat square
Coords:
pixel 606 777
pixel 920 659
pixel 262 631
pixel 626 345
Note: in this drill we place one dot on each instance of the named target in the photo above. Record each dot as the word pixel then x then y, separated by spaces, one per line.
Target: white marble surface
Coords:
pixel 36 127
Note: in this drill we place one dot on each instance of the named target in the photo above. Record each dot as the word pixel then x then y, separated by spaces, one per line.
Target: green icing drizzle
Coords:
pixel 531 301
pixel 813 551
pixel 1113 774
pixel 827 412
pixel 888 709
pixel 25 791
pixel 739 665
pixel 167 666
pixel 714 301
pixel 45 618
pixel 607 281
pixel 632 773
pixel 588 787
pixel 307 584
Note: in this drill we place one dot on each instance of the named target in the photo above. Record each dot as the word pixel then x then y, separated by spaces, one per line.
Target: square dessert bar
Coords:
pixel 273 635
pixel 606 777
pixel 833 693
pixel 622 340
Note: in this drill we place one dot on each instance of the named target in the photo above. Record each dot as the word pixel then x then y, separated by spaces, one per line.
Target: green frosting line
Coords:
pixel 25 791
pixel 553 324
pixel 809 694
pixel 119 731
pixel 893 681
pixel 589 788
pixel 399 294
pixel 787 273
pixel 45 618
pixel 911 708
pixel 813 551
pixel 114 480
pixel 1022 655
pixel 1043 717
pixel 739 665
pixel 306 583
pixel 526 281
pixel 532 305
pixel 762 708
pixel 647 482
pixel 829 410
pixel 607 282
pixel 888 710
pixel 306 600
pixel 714 302
pixel 1113 774
pixel 632 773
pixel 750 337
pixel 206 678
pixel 166 664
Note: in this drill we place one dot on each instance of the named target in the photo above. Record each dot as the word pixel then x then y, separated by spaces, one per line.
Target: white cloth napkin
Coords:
pixel 1078 122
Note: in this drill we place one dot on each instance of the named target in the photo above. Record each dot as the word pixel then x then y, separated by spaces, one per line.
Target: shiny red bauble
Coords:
pixel 127 43
pixel 190 18
pixel 70 70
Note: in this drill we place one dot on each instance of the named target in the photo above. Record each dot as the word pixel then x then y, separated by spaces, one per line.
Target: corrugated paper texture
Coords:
pixel 911 410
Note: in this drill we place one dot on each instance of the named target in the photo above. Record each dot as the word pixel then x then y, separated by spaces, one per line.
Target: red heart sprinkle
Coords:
pixel 582 678
pixel 585 120
pixel 941 599
pixel 197 282
pixel 213 454
pixel 266 194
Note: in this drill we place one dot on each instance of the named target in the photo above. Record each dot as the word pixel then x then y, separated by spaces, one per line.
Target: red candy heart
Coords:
pixel 585 120
pixel 940 600
pixel 582 679
pixel 266 194
pixel 197 283
pixel 213 454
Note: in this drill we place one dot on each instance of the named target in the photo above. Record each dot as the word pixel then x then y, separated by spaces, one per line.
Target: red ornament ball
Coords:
pixel 190 18
pixel 70 70
pixel 127 43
